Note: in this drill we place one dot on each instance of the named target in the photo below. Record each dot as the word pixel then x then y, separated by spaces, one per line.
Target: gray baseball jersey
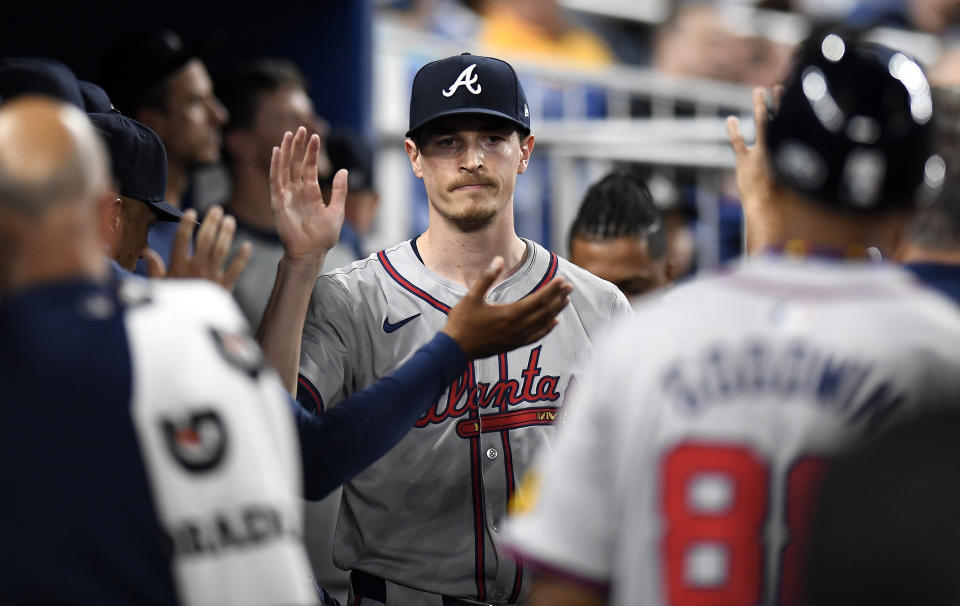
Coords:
pixel 428 513
pixel 254 285
pixel 685 473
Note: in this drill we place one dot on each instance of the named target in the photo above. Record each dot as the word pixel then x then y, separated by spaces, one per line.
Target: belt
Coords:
pixel 372 587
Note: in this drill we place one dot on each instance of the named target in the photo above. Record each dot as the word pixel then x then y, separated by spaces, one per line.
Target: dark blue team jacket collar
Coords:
pixel 44 295
pixel 941 276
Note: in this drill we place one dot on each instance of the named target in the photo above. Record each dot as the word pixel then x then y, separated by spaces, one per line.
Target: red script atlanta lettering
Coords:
pixel 466 394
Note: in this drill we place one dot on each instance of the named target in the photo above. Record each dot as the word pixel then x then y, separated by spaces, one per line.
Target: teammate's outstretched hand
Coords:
pixel 209 252
pixel 307 225
pixel 754 179
pixel 483 329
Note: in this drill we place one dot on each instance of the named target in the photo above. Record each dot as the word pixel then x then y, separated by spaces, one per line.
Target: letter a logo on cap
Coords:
pixel 466 78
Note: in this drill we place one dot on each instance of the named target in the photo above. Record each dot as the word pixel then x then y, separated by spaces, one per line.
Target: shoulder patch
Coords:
pixel 240 350
pixel 197 441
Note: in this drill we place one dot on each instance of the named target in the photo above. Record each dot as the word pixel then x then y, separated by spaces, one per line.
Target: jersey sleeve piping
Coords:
pixel 309 396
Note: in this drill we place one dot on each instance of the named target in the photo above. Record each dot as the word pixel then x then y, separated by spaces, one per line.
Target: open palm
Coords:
pixel 306 224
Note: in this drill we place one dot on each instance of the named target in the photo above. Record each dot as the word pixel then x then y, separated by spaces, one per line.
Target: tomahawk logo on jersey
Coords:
pixel 479 436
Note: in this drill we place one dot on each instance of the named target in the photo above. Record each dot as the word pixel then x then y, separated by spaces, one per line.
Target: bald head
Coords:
pixel 49 154
pixel 53 183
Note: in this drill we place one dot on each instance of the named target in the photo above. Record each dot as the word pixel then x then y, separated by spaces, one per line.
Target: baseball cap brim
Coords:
pixel 166 211
pixel 466 110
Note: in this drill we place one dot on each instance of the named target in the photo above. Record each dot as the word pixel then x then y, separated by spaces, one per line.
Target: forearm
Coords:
pixel 281 328
pixel 352 435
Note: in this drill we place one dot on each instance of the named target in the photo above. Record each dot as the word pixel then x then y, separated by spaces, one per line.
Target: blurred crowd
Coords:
pixel 728 40
pixel 735 41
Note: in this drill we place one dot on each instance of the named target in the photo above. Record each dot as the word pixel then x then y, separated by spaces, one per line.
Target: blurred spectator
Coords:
pixel 700 41
pixel 945 71
pixel 931 244
pixel 348 150
pixel 538 30
pixel 928 16
pixel 447 18
pixel 265 98
pixel 159 81
pixel 824 9
pixel 618 235
pixel 696 41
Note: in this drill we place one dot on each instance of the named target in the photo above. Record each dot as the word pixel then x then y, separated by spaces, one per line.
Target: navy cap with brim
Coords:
pixel 166 211
pixel 95 99
pixel 467 84
pixel 463 111
pixel 138 160
pixel 39 76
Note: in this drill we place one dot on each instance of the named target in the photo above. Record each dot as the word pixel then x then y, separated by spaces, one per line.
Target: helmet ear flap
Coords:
pixel 854 126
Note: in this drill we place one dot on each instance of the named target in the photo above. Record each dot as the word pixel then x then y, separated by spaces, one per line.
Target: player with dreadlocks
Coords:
pixel 618 235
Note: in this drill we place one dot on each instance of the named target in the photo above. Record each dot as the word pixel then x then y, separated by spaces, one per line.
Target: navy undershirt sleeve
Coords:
pixel 347 438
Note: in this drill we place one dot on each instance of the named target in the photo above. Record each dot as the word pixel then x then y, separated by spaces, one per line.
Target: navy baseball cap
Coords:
pixel 132 68
pixel 41 76
pixel 139 161
pixel 95 99
pixel 467 84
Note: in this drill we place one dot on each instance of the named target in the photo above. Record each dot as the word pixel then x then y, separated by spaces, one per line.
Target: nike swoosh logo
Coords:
pixel 390 327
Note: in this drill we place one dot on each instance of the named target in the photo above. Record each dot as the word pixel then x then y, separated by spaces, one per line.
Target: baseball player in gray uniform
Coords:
pixel 689 477
pixel 421 525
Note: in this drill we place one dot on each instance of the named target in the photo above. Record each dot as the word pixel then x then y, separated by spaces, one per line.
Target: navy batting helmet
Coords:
pixel 854 127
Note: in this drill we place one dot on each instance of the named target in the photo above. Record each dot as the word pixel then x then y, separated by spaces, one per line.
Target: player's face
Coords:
pixel 136 218
pixel 623 261
pixel 286 109
pixel 191 125
pixel 469 166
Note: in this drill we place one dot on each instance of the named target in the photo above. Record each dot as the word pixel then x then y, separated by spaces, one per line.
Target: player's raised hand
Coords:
pixel 210 251
pixel 754 179
pixel 483 329
pixel 307 225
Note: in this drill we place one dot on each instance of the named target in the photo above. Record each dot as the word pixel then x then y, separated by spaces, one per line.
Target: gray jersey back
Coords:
pixel 427 514
pixel 688 476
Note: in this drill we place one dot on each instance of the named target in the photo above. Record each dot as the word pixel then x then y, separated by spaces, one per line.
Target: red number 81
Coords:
pixel 715 503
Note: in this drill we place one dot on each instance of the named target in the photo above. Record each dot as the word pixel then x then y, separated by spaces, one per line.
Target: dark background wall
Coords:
pixel 329 40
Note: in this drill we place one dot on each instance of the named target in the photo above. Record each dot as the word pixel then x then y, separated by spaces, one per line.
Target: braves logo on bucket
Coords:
pixel 466 78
